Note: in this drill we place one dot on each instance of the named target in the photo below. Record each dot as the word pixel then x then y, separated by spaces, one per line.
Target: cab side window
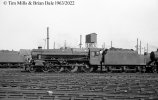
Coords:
pixel 95 53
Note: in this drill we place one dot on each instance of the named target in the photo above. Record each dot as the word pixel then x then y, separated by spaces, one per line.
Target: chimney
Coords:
pixel 39 47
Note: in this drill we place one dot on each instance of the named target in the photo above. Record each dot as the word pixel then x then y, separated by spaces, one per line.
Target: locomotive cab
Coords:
pixel 95 56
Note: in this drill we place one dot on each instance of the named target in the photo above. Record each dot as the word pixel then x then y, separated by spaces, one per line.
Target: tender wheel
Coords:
pixel 154 70
pixel 138 68
pixel 87 68
pixel 95 68
pixel 32 69
pixel 72 69
pixel 58 69
pixel 110 69
pixel 143 69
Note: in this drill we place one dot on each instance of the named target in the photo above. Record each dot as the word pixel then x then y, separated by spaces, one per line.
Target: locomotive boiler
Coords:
pixel 59 60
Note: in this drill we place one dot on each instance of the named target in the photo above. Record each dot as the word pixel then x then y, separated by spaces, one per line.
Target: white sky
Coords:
pixel 120 21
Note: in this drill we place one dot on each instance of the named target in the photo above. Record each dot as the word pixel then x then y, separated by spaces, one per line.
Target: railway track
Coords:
pixel 18 85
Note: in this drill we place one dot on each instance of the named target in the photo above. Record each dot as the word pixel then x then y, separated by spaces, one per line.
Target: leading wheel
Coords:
pixel 32 69
pixel 95 68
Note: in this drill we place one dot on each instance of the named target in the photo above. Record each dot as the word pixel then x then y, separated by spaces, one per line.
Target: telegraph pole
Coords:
pixel 65 44
pixel 144 49
pixel 137 45
pixel 111 44
pixel 140 47
pixel 54 45
pixel 47 37
pixel 80 41
pixel 147 47
pixel 104 45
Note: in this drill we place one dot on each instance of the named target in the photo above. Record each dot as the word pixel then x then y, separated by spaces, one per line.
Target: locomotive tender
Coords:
pixel 89 60
pixel 10 59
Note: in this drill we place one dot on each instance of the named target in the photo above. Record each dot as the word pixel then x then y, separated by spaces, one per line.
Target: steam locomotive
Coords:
pixel 91 60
